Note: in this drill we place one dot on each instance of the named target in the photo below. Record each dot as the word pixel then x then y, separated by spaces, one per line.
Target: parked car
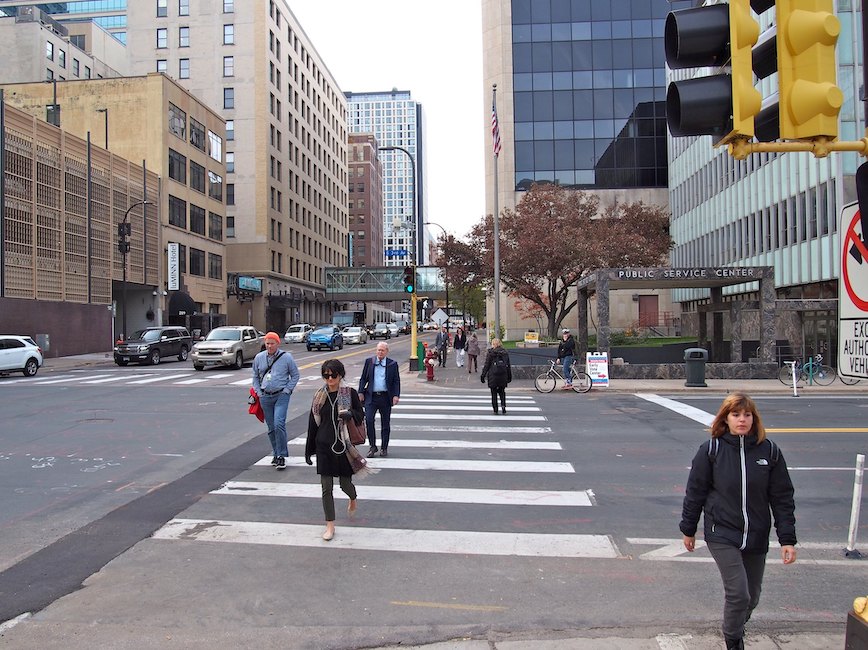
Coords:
pixel 152 344
pixel 327 336
pixel 19 354
pixel 355 334
pixel 231 345
pixel 297 333
pixel 381 331
pixel 393 329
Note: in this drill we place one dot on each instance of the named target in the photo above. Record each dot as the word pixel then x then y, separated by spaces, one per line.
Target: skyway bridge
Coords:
pixel 381 283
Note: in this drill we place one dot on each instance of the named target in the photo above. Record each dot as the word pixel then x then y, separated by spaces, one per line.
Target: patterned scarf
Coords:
pixel 321 397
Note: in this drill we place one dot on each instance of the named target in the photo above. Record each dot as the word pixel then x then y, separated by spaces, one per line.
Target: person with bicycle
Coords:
pixel 566 353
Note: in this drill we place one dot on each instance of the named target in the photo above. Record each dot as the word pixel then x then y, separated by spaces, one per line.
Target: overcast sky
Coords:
pixel 434 50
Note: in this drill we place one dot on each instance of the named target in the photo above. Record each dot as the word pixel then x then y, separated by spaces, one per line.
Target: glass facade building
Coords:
pixel 589 89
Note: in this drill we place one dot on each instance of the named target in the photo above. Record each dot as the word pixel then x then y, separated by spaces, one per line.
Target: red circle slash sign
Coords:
pixel 852 245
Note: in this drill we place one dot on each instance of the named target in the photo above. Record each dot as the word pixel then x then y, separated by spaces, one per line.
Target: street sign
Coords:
pixel 439 317
pixel 853 296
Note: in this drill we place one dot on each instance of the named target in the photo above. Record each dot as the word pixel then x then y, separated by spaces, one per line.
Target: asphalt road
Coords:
pixel 460 532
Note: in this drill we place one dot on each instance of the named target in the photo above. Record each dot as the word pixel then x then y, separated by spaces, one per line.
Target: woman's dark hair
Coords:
pixel 335 366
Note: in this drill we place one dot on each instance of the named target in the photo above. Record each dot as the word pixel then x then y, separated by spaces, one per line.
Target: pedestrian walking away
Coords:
pixel 566 353
pixel 380 388
pixel 459 343
pixel 499 373
pixel 472 353
pixel 275 376
pixel 441 344
pixel 332 406
pixel 738 481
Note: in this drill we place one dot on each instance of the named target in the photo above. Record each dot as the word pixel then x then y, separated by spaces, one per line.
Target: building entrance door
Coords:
pixel 820 332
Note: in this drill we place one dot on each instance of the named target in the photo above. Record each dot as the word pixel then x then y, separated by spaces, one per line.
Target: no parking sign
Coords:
pixel 853 295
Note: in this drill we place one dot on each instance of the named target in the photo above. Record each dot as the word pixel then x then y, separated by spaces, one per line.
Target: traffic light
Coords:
pixel 721 105
pixel 809 97
pixel 124 231
pixel 409 279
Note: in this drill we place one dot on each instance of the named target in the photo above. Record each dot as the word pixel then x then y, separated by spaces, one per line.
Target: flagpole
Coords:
pixel 495 132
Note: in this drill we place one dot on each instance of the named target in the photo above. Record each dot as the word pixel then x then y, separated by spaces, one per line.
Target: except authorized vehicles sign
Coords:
pixel 853 296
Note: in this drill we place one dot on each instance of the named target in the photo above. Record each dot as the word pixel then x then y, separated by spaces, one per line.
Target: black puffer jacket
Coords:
pixel 499 375
pixel 738 489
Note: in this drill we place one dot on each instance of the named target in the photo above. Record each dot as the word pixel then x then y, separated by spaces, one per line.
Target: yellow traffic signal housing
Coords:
pixel 746 100
pixel 810 100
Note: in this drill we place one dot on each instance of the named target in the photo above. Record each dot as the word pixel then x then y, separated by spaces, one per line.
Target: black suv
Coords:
pixel 152 344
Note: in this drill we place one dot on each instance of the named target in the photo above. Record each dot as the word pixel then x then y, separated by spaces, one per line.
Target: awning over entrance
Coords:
pixel 181 304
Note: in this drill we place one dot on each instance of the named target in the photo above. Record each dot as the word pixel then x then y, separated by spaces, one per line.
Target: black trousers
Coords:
pixel 383 405
pixel 328 499
pixel 495 392
pixel 742 575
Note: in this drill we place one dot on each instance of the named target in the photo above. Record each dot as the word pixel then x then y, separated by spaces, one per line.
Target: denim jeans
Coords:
pixel 275 408
pixel 568 364
pixel 742 575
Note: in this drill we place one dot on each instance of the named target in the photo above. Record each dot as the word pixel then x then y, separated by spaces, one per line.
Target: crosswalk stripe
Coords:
pixel 59 380
pixel 415 494
pixel 159 378
pixel 462 444
pixel 398 415
pixel 540 467
pixel 105 380
pixel 461 407
pixel 464 397
pixel 39 381
pixel 457 428
pixel 242 382
pixel 392 539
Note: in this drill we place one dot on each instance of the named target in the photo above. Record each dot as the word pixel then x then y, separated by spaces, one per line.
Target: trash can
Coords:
pixel 694 362
pixel 420 355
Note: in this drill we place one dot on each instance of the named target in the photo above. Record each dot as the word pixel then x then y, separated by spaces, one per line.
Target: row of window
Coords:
pixel 184 36
pixel 51 52
pixel 198 222
pixel 196 264
pixel 565 11
pixel 178 172
pixel 212 144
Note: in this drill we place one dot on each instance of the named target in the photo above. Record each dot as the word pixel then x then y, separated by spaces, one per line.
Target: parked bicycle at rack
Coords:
pixel 813 371
pixel 547 381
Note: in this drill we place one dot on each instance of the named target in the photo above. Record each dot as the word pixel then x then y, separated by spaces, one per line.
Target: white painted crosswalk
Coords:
pixel 449 434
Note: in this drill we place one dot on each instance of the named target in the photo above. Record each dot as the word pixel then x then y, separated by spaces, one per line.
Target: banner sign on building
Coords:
pixel 174 271
pixel 246 283
pixel 597 366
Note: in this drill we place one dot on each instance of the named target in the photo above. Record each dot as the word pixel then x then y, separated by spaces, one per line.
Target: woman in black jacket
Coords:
pixel 738 481
pixel 499 373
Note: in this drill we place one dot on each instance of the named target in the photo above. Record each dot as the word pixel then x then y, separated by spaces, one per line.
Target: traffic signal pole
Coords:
pixel 414 356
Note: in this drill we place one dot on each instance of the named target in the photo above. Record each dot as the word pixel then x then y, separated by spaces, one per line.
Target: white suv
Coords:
pixel 230 345
pixel 19 354
pixel 297 333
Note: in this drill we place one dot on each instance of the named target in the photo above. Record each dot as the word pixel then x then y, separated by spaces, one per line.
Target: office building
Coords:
pixel 396 121
pixel 366 201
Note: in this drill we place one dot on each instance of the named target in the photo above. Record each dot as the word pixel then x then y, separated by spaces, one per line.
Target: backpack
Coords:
pixel 498 366
pixel 714 445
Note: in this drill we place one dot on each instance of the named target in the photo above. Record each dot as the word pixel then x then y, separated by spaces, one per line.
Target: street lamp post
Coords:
pixel 53 117
pixel 124 231
pixel 104 111
pixel 445 269
pixel 414 356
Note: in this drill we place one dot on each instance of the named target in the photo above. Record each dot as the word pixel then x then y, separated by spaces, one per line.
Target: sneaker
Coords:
pixel 274 461
pixel 372 451
pixel 384 452
pixel 281 462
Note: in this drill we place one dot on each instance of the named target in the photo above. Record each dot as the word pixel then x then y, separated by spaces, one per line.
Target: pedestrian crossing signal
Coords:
pixel 409 279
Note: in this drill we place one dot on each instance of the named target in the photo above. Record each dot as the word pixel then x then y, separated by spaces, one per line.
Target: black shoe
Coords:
pixel 495 411
pixel 384 452
pixel 734 644
pixel 281 462
pixel 274 461
pixel 372 451
pixel 503 411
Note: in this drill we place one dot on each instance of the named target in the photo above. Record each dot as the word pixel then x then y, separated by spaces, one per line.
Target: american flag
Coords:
pixel 495 130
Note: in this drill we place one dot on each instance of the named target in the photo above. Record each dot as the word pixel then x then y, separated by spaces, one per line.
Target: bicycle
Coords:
pixel 812 372
pixel 546 381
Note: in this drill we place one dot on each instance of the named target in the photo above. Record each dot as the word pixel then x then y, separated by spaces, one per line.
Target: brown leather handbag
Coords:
pixel 358 432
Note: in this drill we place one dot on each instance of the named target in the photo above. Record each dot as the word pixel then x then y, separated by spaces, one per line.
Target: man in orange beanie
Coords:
pixel 275 376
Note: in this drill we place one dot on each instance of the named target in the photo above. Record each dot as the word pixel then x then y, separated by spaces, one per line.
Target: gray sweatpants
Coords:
pixel 742 575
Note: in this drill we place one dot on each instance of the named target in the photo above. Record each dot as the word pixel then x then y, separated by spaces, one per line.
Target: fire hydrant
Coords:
pixel 430 360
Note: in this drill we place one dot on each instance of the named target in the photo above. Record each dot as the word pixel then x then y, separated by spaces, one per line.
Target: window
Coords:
pixel 61 58
pixel 230 162
pixel 183 7
pixel 197 177
pixel 197 219
pixel 177 121
pixel 177 166
pixel 76 69
pixel 228 98
pixel 215 146
pixel 197 262
pixel 49 51
pixel 230 129
pixel 230 226
pixel 162 65
pixel 215 266
pixel 162 38
pixel 228 66
pixel 230 199
pixel 215 226
pixel 183 68
pixel 228 34
pixel 228 6
pixel 215 186
pixel 87 72
pixel 177 212
pixel 183 37
pixel 49 74
pixel 197 134
pixel 162 8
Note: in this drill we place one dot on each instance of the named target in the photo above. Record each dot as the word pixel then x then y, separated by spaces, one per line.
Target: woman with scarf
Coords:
pixel 333 404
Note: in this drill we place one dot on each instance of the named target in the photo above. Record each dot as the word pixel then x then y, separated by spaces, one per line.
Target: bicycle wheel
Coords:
pixel 786 376
pixel 823 374
pixel 581 381
pixel 849 381
pixel 545 383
